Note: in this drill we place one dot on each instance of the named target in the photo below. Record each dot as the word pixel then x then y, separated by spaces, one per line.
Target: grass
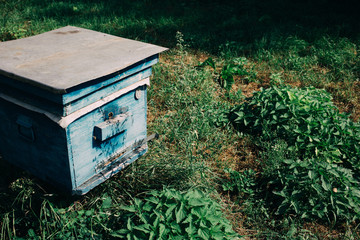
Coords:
pixel 252 44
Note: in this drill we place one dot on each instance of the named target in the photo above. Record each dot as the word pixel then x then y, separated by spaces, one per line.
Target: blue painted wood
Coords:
pixel 108 171
pixel 111 127
pixel 68 57
pixel 25 128
pixel 73 101
pixel 35 100
pixel 70 157
pixel 89 155
pixel 103 92
pixel 78 129
pixel 45 156
pixel 95 85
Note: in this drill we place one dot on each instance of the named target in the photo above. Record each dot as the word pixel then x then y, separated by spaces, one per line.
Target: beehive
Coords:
pixel 73 105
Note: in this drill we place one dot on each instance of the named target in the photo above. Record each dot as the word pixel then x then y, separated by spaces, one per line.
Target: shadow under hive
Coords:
pixel 73 105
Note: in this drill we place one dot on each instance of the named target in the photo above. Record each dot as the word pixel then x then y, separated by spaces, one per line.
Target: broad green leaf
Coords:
pixel 170 209
pixel 194 194
pixel 191 229
pixel 317 188
pixel 129 236
pixel 31 233
pixel 144 228
pixel 119 233
pixel 106 202
pixel 292 231
pixel 204 233
pixel 157 221
pixel 356 193
pixel 325 184
pixel 162 229
pixel 176 228
pixel 148 206
pixel 89 213
pixel 311 174
pixel 197 202
pixel 129 225
pixel 213 219
pixel 245 122
pixel 295 204
pixel 197 212
pixel 189 219
pixel 208 62
pixel 153 200
pixel 130 208
pixel 217 235
pixel 152 235
pixel 138 203
pixel 180 213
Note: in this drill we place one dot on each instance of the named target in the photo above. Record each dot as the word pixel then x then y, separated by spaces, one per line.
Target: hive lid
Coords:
pixel 68 57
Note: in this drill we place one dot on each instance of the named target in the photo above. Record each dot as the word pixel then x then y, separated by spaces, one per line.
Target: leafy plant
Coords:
pixel 229 70
pixel 234 67
pixel 309 188
pixel 311 159
pixel 306 119
pixel 186 107
pixel 276 79
pixel 170 214
pixel 240 182
pixel 62 223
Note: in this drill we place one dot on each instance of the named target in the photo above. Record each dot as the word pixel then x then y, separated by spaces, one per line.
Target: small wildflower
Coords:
pixel 335 190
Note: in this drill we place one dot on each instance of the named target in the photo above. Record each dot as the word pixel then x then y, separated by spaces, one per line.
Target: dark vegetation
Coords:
pixel 283 162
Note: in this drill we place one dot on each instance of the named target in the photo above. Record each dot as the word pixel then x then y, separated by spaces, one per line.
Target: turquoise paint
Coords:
pixel 105 91
pixel 71 157
pixel 99 136
pixel 45 156
pixel 95 85
pixel 66 104
pixel 111 127
pixel 88 153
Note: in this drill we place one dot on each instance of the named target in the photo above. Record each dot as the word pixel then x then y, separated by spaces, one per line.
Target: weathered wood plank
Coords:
pixel 67 57
pixel 73 105
pixel 105 91
pixel 111 127
pixel 45 154
pixel 95 85
pixel 65 121
pixel 87 153
pixel 70 102
pixel 111 170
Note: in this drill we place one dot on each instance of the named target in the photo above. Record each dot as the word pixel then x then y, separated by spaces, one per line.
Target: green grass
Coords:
pixel 258 178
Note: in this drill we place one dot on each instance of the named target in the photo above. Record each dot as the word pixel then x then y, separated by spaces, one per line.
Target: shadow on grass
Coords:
pixel 206 25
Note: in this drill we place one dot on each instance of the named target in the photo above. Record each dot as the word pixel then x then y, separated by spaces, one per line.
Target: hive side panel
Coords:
pixel 91 155
pixel 34 143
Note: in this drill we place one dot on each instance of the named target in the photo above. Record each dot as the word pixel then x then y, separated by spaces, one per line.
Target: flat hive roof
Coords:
pixel 70 56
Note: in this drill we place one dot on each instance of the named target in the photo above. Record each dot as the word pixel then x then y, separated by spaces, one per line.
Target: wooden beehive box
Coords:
pixel 73 105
